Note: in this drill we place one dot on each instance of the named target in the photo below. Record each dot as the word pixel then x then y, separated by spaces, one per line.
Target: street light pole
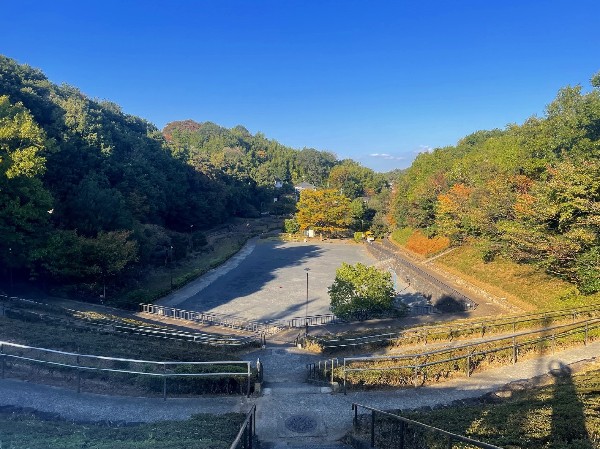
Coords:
pixel 10 267
pixel 306 312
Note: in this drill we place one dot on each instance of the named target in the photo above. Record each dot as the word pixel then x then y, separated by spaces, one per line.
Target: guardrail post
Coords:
pixel 585 335
pixel 345 376
pixel 553 343
pixel 372 428
pixel 482 330
pixel 401 442
pixel 469 365
pixel 248 383
pixel 78 376
pixel 355 419
pixel 332 371
pixel 515 350
pixel 250 436
pixel 3 360
pixel 164 381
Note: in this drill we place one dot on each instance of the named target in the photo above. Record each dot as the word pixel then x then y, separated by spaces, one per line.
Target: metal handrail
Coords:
pixel 247 431
pixel 575 328
pixel 217 319
pixel 469 345
pixel 451 436
pixel 164 374
pixel 449 328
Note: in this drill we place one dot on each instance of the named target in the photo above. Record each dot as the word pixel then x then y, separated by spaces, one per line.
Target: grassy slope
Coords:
pixel 525 286
pixel 564 414
pixel 23 429
pixel 56 335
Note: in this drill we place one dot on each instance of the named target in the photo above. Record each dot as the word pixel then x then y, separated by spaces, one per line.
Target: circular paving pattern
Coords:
pixel 300 424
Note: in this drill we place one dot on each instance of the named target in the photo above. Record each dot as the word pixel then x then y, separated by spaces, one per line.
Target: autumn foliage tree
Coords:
pixel 325 211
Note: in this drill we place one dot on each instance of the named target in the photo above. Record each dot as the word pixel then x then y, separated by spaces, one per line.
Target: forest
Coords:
pixel 90 195
pixel 529 193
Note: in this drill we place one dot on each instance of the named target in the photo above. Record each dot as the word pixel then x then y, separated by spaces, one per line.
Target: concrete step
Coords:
pixel 304 445
pixel 276 388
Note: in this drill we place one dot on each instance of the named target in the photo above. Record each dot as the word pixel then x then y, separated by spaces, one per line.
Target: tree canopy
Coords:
pixel 359 291
pixel 530 192
pixel 77 174
pixel 325 211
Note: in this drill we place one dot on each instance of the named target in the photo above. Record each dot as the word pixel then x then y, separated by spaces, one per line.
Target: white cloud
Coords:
pixel 424 149
pixel 387 156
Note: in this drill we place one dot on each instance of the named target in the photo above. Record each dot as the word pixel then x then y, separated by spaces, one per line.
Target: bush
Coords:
pixel 401 236
pixel 291 226
pixel 426 246
pixel 360 292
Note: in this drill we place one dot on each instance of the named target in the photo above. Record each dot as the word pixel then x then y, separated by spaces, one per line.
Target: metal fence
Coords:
pixel 313 320
pixel 449 332
pixel 247 434
pixel 406 433
pixel 70 362
pixel 216 319
pixel 467 357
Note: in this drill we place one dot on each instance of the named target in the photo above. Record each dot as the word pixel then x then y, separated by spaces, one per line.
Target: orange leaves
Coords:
pixel 455 200
pixel 421 244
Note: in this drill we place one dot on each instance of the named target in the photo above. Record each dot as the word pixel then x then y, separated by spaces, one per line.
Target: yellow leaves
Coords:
pixel 20 141
pixel 323 210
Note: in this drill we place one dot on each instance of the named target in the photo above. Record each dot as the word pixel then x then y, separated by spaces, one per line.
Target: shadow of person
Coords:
pixel 568 418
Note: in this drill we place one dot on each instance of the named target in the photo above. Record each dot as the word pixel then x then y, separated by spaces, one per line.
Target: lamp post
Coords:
pixel 169 262
pixel 10 262
pixel 191 240
pixel 306 312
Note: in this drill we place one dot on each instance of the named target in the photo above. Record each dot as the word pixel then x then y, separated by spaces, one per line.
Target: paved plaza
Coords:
pixel 267 280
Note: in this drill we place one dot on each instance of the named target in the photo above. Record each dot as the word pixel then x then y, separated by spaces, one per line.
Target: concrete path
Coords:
pixel 289 411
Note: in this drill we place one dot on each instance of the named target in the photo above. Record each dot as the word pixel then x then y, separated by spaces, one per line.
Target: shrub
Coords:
pixel 359 291
pixel 426 246
pixel 291 226
pixel 402 235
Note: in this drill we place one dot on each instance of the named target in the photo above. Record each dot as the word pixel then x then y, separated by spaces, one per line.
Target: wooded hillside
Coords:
pixel 87 191
pixel 530 192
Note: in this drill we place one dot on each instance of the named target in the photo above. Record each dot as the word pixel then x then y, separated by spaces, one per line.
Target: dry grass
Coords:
pixel 524 286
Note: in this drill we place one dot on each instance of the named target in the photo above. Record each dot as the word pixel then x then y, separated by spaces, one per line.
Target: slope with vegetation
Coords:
pixel 528 194
pixel 92 197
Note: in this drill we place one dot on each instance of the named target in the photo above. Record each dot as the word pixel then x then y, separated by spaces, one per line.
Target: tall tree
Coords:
pixel 24 203
pixel 325 211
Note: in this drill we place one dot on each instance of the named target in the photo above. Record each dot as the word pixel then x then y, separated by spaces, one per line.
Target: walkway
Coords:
pixel 289 411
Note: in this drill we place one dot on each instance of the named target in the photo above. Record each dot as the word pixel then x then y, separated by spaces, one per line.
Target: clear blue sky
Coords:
pixel 377 81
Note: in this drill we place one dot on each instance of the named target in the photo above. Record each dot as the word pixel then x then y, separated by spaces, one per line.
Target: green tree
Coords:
pixel 361 291
pixel 24 202
pixel 558 223
pixel 291 226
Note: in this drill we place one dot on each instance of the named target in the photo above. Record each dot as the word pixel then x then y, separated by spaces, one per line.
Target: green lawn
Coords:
pixel 26 429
